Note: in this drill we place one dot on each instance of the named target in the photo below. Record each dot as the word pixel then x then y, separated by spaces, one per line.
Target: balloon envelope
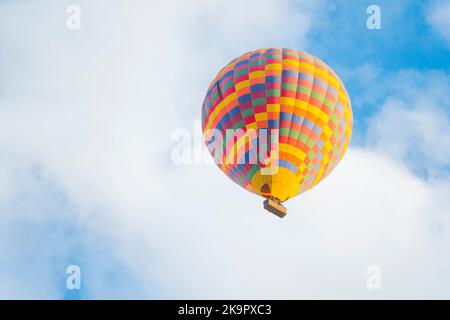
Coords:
pixel 285 91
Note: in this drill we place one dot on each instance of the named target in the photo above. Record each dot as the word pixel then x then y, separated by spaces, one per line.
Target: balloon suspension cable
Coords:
pixel 274 206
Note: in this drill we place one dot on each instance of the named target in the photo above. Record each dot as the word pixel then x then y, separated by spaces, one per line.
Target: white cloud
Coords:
pixel 438 16
pixel 96 107
pixel 227 246
pixel 251 24
pixel 413 123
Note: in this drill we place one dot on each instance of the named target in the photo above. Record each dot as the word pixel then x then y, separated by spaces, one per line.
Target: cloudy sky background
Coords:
pixel 86 175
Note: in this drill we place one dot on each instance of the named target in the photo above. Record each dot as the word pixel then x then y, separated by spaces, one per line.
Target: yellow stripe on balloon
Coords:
pixel 257 74
pixel 243 84
pixel 293 150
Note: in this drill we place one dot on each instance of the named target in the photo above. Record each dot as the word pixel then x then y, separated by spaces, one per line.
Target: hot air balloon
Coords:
pixel 285 104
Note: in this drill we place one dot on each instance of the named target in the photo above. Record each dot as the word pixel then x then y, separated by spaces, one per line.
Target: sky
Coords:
pixel 87 120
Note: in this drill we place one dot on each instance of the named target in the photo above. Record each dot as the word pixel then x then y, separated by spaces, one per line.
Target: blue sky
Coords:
pixel 87 118
pixel 406 41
